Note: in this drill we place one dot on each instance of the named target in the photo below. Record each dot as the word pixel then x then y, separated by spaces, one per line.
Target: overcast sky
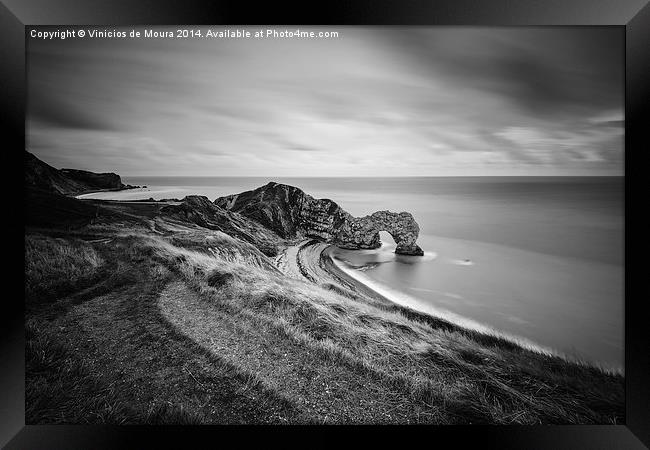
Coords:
pixel 373 102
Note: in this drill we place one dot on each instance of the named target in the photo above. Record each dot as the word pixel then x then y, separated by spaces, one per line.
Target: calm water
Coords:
pixel 535 257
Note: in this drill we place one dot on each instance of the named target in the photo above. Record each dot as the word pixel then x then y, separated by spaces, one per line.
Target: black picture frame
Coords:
pixel 633 15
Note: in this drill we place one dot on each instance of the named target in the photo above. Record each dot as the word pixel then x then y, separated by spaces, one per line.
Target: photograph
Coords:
pixel 324 225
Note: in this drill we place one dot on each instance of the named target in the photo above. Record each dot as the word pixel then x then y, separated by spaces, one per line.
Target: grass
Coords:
pixel 56 265
pixel 62 388
pixel 239 334
pixel 110 357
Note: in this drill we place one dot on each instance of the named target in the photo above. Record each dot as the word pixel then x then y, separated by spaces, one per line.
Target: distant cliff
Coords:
pixel 94 180
pixel 41 175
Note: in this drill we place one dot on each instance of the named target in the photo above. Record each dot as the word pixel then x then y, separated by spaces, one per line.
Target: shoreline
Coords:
pixel 360 283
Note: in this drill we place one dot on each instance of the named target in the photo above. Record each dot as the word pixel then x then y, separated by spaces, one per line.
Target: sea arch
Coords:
pixel 363 232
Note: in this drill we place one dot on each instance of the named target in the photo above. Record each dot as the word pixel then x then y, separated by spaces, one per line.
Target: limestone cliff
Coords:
pixel 288 211
pixel 291 213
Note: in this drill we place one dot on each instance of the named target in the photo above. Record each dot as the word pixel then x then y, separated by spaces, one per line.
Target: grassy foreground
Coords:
pixel 180 324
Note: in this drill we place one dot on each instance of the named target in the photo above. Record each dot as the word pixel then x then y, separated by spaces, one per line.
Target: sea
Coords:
pixel 536 259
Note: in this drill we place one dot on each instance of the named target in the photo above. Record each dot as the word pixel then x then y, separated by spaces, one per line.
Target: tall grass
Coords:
pixel 61 387
pixel 478 380
pixel 54 265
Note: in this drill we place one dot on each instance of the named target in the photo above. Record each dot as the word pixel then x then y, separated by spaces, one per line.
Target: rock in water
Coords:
pixel 291 213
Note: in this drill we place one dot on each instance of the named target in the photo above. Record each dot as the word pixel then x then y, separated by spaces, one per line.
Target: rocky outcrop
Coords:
pixel 291 213
pixel 288 211
pixel 363 232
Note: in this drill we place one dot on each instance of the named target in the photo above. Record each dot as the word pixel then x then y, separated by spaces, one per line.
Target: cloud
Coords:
pixel 377 101
pixel 543 71
pixel 56 112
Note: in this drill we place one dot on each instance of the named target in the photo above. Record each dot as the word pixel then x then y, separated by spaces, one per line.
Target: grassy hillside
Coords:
pixel 164 321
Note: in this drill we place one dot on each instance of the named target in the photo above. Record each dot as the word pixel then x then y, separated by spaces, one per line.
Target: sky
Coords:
pixel 375 101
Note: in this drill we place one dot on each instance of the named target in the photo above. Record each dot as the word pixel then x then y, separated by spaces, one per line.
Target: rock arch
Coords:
pixel 290 213
pixel 363 232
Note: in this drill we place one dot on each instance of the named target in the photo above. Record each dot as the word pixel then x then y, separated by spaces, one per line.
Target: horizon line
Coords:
pixel 379 176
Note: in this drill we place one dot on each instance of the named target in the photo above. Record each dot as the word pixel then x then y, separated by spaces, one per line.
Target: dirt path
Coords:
pixel 124 340
pixel 326 390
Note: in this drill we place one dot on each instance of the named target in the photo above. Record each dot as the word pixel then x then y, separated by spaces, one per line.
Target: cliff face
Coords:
pixel 42 176
pixel 94 180
pixel 288 211
pixel 291 213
